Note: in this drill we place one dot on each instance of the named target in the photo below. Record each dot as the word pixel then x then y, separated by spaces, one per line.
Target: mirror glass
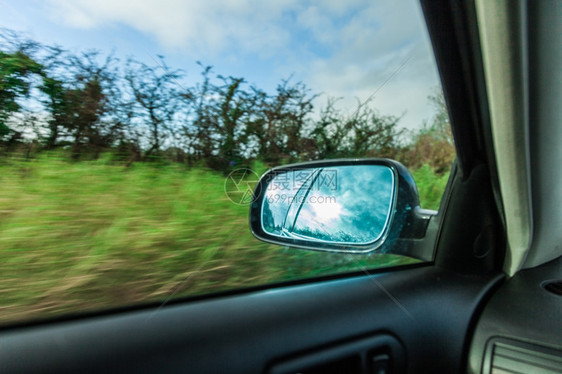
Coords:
pixel 348 204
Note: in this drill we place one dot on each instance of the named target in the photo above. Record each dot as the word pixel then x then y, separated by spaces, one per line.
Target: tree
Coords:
pixel 329 132
pixel 16 70
pixel 78 93
pixel 433 144
pixel 280 121
pixel 373 135
pixel 233 108
pixel 363 133
pixel 220 115
pixel 200 104
pixel 155 100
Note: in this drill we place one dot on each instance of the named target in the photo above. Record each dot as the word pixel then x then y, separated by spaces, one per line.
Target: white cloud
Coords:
pixel 384 50
pixel 342 48
pixel 207 26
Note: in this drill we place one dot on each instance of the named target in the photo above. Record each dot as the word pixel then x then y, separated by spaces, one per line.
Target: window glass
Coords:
pixel 131 134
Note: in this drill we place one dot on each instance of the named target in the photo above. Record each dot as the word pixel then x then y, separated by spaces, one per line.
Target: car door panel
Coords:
pixel 248 333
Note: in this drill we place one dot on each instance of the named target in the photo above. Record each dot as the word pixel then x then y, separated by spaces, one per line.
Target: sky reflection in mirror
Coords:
pixel 345 204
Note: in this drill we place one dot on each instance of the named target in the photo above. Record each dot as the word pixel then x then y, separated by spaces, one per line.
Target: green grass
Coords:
pixel 430 186
pixel 95 234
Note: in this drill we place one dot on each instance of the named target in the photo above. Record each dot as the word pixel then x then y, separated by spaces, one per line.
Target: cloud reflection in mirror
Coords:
pixel 345 204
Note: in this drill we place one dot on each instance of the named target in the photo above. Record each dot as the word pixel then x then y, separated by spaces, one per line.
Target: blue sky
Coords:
pixel 344 49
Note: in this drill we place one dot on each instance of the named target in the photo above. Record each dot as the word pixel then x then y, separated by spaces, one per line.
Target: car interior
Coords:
pixel 488 298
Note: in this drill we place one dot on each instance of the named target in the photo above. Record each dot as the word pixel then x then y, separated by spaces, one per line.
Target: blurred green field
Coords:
pixel 78 236
pixel 430 186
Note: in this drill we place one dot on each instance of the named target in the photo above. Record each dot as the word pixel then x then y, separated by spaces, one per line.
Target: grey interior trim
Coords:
pixel 545 83
pixel 503 35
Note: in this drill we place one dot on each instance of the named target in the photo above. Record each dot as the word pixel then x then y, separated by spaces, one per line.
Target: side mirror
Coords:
pixel 353 206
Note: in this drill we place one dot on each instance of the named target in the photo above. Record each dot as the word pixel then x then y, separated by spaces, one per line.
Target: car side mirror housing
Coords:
pixel 353 206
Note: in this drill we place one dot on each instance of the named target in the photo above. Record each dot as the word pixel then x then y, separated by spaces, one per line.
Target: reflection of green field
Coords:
pixel 77 236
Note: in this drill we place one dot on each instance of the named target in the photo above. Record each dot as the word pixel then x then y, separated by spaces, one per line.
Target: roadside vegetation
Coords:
pixel 112 177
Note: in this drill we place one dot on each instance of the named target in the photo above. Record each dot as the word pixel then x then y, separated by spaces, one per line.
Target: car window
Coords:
pixel 132 135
